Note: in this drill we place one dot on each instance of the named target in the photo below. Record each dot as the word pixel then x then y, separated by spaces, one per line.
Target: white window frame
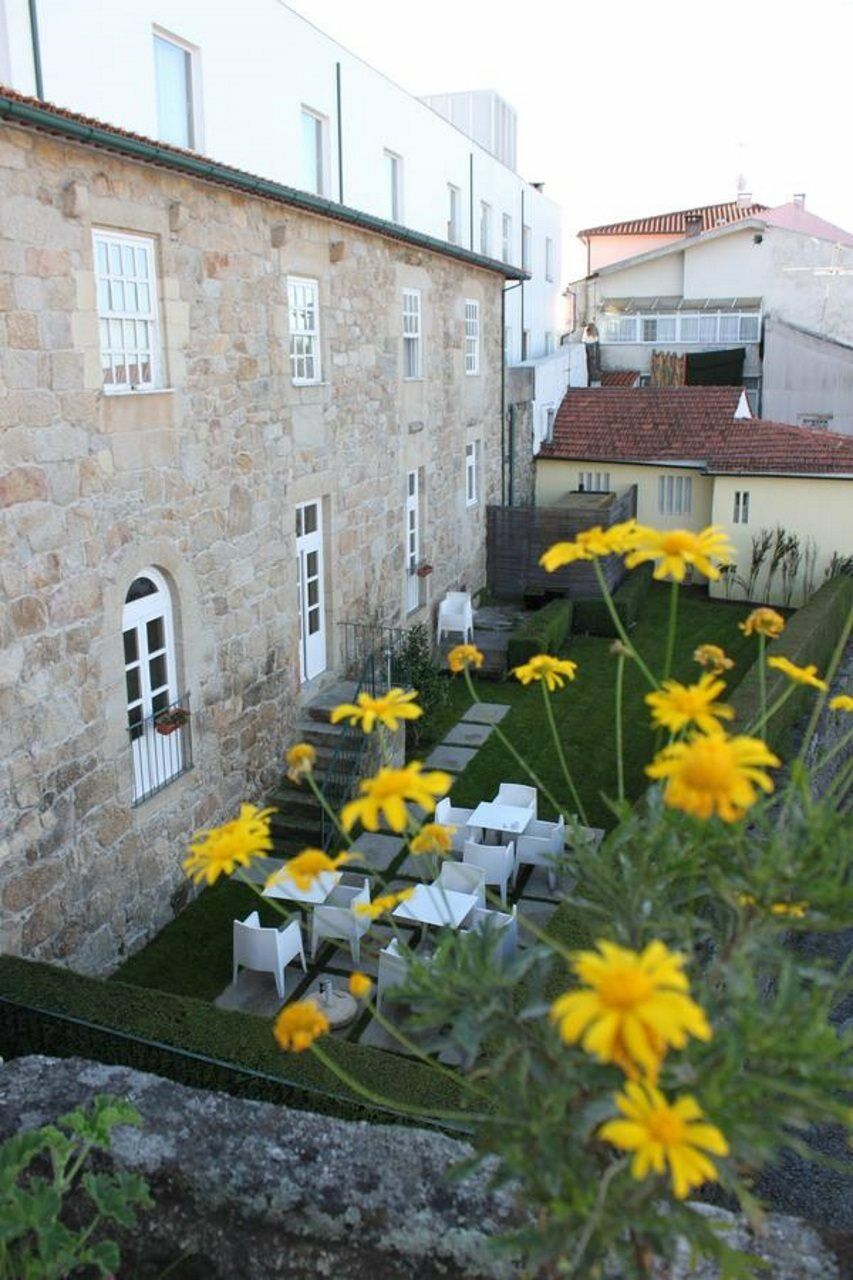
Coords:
pixel 303 298
pixel 394 177
pixel 506 237
pixel 412 335
pixel 156 759
pixel 485 229
pixel 107 287
pixel 472 337
pixel 195 117
pixel 675 495
pixel 741 507
pixel 454 219
pixel 323 182
pixel 549 259
pixel 688 328
pixel 593 481
pixel 472 495
pixel 526 247
pixel 412 530
pixel 550 419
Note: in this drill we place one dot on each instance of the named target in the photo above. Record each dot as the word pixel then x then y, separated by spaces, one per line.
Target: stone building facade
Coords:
pixel 193 487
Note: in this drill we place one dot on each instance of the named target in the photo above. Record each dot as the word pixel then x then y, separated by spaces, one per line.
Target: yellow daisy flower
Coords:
pixel 360 985
pixel 389 709
pixel 763 622
pixel 385 902
pixel 589 544
pixel 712 773
pixel 843 702
pixel 674 550
pixel 221 850
pixel 304 869
pixel 675 706
pixel 433 838
pixel 301 759
pixel 299 1024
pixel 795 910
pixel 636 1006
pixel 661 1133
pixel 802 675
pixel 464 655
pixel 544 667
pixel 388 792
pixel 714 658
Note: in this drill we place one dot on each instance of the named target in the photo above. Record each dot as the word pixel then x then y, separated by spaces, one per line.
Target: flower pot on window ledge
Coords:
pixel 423 570
pixel 168 721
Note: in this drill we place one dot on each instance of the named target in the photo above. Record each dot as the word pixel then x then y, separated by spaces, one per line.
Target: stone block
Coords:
pixel 28 615
pixel 179 216
pixel 467 734
pixel 337 250
pixel 278 235
pixel 75 200
pixel 487 712
pixel 22 484
pixel 453 759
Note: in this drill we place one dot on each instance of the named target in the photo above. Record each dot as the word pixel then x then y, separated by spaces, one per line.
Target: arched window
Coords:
pixel 157 717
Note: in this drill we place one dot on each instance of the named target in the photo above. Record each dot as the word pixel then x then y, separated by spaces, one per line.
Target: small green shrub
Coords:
pixel 593 617
pixel 545 631
pixel 415 667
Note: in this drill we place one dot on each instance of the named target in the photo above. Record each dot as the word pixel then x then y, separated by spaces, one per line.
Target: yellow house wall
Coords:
pixel 818 509
pixel 556 478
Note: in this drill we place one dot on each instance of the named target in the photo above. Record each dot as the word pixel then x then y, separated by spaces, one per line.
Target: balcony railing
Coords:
pixel 161 747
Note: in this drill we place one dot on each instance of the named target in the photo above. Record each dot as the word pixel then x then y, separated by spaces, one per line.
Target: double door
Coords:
pixel 309 583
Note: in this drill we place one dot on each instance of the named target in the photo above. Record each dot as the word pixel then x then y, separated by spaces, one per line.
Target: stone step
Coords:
pixel 324 703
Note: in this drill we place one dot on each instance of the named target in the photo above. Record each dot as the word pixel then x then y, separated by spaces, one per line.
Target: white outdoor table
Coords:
pixel 509 818
pixel 323 885
pixel 431 904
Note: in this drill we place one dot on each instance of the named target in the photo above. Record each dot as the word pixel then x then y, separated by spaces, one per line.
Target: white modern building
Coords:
pixel 259 87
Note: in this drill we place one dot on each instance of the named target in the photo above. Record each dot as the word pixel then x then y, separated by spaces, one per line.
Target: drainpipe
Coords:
pixel 34 32
pixel 471 196
pixel 525 354
pixel 340 134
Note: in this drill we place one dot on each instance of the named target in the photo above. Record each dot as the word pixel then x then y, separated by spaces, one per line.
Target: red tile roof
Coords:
pixel 694 425
pixel 620 377
pixel 675 224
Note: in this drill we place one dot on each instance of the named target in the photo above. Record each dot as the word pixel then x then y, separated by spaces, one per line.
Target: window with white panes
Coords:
pixel 741 511
pixel 314 152
pixel 394 180
pixel 550 419
pixel 715 328
pixel 485 229
pixel 454 214
pixel 174 79
pixel 675 495
pixel 549 258
pixel 592 481
pixel 412 354
pixel 127 311
pixel 472 336
pixel 471 479
pixel 506 238
pixel 526 236
pixel 304 322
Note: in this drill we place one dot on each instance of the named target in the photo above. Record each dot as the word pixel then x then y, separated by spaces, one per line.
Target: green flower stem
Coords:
pixel 595 1216
pixel 841 784
pixel 415 1049
pixel 328 810
pixel 620 758
pixel 762 675
pixel 274 903
pixel 671 629
pixel 830 673
pixel 832 753
pixel 519 759
pixel 617 622
pixel 774 707
pixel 561 755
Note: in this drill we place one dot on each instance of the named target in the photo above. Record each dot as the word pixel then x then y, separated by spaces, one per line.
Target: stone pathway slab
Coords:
pixel 468 734
pixel 377 850
pixel 453 759
pixel 486 712
pixel 256 992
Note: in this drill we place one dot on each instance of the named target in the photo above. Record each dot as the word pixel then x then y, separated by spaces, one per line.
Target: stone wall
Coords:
pixel 199 480
pixel 520 456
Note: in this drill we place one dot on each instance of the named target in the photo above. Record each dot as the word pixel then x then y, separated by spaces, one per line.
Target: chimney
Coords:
pixel 744 199
pixel 799 199
pixel 693 224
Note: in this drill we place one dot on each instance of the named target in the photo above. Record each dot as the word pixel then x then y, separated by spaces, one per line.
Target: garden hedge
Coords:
pixel 593 617
pixel 545 631
pixel 48 1010
pixel 811 635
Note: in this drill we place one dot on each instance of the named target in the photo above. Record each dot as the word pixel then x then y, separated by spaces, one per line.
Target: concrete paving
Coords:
pixel 467 734
pixel 486 712
pixel 453 759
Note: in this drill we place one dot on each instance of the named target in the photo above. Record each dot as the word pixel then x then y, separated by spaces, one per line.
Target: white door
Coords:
pixel 309 579
pixel 413 539
pixel 150 681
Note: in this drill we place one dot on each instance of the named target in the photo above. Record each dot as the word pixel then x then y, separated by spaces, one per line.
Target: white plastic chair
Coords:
pixel 456 614
pixel 448 816
pixel 266 949
pixel 392 969
pixel 482 919
pixel 540 846
pixel 520 797
pixel 337 920
pixel 497 862
pixel 455 877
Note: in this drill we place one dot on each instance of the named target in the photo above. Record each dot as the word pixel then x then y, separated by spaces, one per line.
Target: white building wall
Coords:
pixel 257 67
pixel 806 377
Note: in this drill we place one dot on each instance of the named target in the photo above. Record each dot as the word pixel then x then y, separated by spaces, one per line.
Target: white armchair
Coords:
pixel 520 797
pixel 505 922
pixel 266 950
pixel 448 816
pixel 337 920
pixel 392 969
pixel 456 614
pixel 497 862
pixel 454 877
pixel 541 846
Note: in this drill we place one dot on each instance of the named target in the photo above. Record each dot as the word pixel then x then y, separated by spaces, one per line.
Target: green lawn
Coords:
pixel 584 710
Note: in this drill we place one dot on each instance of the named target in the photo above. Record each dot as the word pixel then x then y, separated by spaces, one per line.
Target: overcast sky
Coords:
pixel 637 106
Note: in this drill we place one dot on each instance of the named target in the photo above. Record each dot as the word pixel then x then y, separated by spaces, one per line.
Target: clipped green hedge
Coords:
pixel 810 635
pixel 593 617
pixel 545 631
pixel 159 1032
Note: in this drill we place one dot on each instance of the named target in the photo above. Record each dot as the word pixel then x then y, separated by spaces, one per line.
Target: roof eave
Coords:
pixel 678 246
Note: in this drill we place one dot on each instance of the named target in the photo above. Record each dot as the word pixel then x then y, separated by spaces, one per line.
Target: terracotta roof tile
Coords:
pixel 694 425
pixel 620 377
pixel 676 224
